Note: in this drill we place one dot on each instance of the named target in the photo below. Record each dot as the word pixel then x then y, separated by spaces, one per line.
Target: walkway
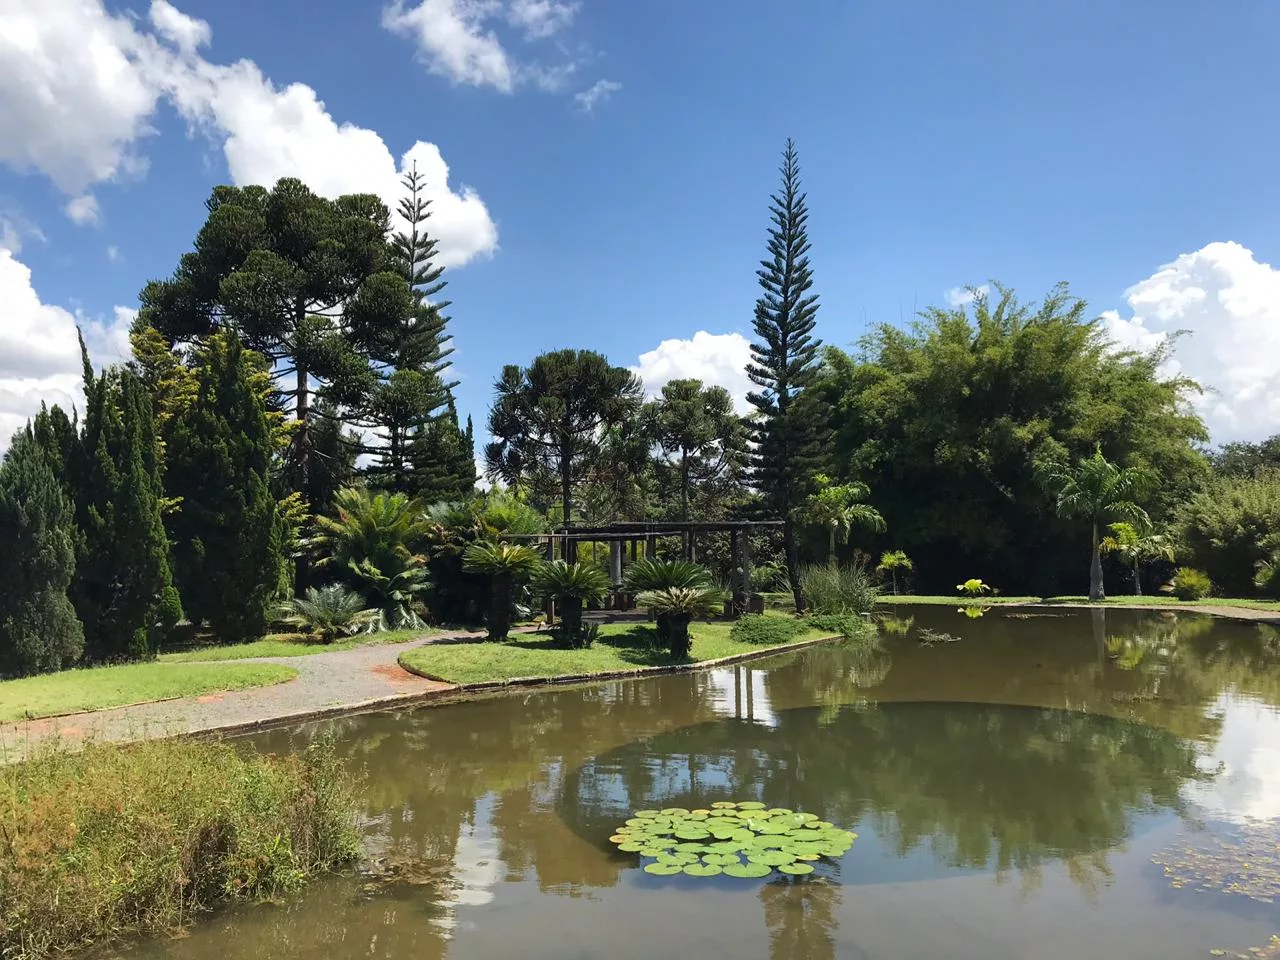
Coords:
pixel 347 681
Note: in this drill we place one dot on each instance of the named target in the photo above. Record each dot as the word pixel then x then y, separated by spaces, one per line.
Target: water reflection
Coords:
pixel 1038 749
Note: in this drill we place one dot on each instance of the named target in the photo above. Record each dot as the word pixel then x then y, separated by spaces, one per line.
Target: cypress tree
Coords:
pixel 226 530
pixel 784 362
pixel 122 589
pixel 443 460
pixel 39 630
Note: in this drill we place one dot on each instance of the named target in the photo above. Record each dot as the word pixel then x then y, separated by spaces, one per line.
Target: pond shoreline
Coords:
pixel 1251 614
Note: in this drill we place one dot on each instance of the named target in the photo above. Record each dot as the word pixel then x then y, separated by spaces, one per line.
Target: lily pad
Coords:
pixel 645 814
pixel 750 805
pixel 663 869
pixel 720 859
pixel 724 805
pixel 748 871
pixel 795 869
pixel 692 847
pixel 772 858
pixel 678 858
pixel 675 812
pixel 619 838
pixel 637 822
pixel 631 846
pixel 703 870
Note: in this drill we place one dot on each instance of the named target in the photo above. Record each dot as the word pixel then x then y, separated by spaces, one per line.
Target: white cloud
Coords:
pixel 15 229
pixel 458 39
pixel 963 296
pixel 84 209
pixel 78 86
pixel 718 359
pixel 599 92
pixel 1229 304
pixel 39 353
pixel 113 254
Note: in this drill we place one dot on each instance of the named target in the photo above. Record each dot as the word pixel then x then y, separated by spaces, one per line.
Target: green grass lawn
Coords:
pixel 620 646
pixel 944 601
pixel 285 645
pixel 1162 600
pixel 99 688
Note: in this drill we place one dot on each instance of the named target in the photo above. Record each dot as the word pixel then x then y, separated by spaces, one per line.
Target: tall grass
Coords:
pixel 117 840
pixel 832 589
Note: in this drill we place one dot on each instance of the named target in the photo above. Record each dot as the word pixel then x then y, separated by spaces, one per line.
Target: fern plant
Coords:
pixel 331 612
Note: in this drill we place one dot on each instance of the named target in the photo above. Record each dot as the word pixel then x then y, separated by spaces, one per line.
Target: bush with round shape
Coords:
pixel 331 612
pixel 766 630
pixel 1191 584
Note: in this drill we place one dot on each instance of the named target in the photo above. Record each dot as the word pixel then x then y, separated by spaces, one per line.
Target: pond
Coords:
pixel 1061 785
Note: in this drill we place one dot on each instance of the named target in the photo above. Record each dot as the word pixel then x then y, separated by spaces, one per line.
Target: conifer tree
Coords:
pixel 39 630
pixel 122 589
pixel 226 530
pixel 442 458
pixel 784 361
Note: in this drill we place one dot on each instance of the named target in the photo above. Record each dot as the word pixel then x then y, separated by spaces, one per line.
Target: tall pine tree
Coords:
pixel 122 589
pixel 443 460
pixel 226 530
pixel 402 331
pixel 39 630
pixel 784 362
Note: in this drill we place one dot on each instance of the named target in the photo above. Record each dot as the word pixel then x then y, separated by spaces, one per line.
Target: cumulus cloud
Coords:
pixel 599 92
pixel 39 353
pixel 78 87
pixel 1228 304
pixel 718 359
pixel 963 296
pixel 458 39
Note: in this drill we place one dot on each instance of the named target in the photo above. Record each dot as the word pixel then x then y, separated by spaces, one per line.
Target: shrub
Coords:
pixel 1191 584
pixel 676 607
pixel 766 630
pixel 331 612
pixel 506 565
pixel 1229 527
pixel 973 587
pixel 838 589
pixel 138 839
pixel 849 626
pixel 571 585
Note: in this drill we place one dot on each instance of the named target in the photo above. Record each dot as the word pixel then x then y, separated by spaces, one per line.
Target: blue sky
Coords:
pixel 1127 148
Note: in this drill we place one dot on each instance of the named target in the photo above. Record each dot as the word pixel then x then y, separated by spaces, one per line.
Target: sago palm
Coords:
pixel 331 612
pixel 571 586
pixel 1136 546
pixel 839 508
pixel 678 606
pixel 1098 491
pixel 504 564
pixel 648 575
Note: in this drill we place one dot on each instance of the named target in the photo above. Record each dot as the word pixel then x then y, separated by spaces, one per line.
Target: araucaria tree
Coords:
pixel 784 361
pixel 122 589
pixel 39 630
pixel 225 529
pixel 280 267
pixel 1098 491
pixel 547 418
pixel 702 438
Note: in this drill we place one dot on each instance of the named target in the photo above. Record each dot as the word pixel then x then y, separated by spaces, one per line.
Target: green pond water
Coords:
pixel 1088 784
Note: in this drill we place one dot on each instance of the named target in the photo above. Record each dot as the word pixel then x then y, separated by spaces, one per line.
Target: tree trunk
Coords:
pixel 571 618
pixel 831 546
pixel 792 556
pixel 1137 578
pixel 680 641
pixel 1095 569
pixel 893 576
pixel 500 606
pixel 566 488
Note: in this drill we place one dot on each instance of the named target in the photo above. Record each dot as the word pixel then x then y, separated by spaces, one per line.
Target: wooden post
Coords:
pixel 738 605
pixel 746 568
pixel 615 571
pixel 551 604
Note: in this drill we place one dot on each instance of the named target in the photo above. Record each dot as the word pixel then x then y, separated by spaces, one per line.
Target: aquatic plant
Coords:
pixel 973 611
pixel 743 840
pixel 973 587
pixel 929 637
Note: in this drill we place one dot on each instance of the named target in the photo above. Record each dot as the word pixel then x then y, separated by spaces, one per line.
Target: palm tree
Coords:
pixel 504 563
pixel 676 607
pixel 1136 546
pixel 891 561
pixel 648 576
pixel 571 585
pixel 331 612
pixel 1098 491
pixel 839 508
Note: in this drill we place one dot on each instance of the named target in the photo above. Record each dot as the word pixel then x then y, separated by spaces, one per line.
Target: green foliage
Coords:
pixel 891 562
pixel 945 418
pixel 281 267
pixel 1243 459
pixel 331 612
pixel 1266 576
pixel 703 440
pixel 571 585
pixel 39 630
pixel 849 626
pixel 505 564
pixel 442 460
pixel 122 584
pixel 226 530
pixel 675 607
pixel 653 574
pixel 144 838
pixel 1097 490
pixel 764 629
pixel 1191 584
pixel 1231 526
pixel 973 587
pixel 832 588
pixel 838 509
pixel 546 419
pixel 1137 545
pixel 784 362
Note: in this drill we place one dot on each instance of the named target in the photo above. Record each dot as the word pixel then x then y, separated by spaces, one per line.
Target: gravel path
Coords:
pixel 344 681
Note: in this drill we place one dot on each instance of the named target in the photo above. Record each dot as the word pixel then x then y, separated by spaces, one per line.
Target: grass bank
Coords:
pixel 285 645
pixel 889 600
pixel 112 841
pixel 1160 600
pixel 100 688
pixel 619 647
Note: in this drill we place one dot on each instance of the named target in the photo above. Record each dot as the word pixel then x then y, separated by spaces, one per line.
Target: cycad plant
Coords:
pixel 675 608
pixel 647 576
pixel 394 596
pixel 571 586
pixel 331 612
pixel 505 564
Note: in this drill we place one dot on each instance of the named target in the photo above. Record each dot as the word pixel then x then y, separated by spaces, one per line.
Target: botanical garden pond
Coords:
pixel 1056 784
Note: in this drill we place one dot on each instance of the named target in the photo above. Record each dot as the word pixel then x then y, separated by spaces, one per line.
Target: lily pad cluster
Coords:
pixel 735 839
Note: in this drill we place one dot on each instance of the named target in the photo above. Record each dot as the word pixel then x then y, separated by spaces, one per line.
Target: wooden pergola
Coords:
pixel 625 537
